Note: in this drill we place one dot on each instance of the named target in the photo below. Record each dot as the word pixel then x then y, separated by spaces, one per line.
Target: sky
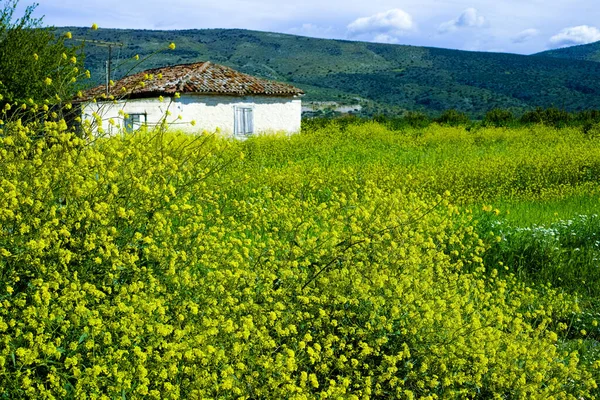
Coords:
pixel 514 26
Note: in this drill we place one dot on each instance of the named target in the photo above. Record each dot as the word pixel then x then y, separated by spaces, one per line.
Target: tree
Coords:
pixel 35 64
pixel 453 117
pixel 550 116
pixel 499 118
pixel 416 119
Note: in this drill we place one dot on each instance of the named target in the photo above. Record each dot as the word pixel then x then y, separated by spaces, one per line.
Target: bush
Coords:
pixel 592 130
pixel 551 116
pixel 417 119
pixel 411 119
pixel 498 118
pixel 453 118
pixel 34 63
pixel 587 117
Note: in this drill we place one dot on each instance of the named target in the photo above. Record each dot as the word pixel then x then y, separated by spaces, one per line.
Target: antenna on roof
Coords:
pixel 103 43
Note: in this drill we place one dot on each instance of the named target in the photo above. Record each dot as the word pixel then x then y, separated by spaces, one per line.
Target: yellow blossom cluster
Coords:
pixel 479 166
pixel 160 265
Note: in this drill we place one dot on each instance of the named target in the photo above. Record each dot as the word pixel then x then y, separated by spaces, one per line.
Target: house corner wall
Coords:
pixel 209 112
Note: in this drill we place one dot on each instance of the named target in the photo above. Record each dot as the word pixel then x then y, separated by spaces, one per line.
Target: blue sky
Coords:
pixel 516 26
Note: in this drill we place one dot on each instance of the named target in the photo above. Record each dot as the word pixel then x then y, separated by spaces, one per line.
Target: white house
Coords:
pixel 195 97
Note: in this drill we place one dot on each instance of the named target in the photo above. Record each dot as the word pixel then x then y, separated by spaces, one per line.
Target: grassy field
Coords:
pixel 353 262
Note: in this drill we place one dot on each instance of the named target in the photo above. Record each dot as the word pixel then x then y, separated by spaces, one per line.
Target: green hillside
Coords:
pixel 585 52
pixel 382 78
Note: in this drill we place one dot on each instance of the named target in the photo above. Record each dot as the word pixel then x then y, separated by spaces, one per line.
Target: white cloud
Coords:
pixel 383 27
pixel 313 17
pixel 470 18
pixel 385 38
pixel 525 35
pixel 312 30
pixel 582 34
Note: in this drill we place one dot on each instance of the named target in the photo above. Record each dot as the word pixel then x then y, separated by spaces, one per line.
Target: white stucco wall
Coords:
pixel 211 113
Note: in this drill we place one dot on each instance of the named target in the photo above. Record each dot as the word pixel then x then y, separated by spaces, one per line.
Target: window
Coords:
pixel 133 122
pixel 244 121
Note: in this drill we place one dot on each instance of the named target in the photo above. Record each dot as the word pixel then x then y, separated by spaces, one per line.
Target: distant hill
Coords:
pixel 381 78
pixel 585 52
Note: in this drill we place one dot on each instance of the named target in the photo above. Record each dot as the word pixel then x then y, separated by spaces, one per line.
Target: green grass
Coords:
pixel 542 212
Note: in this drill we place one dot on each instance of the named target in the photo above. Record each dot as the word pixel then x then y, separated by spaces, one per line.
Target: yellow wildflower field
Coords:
pixel 330 264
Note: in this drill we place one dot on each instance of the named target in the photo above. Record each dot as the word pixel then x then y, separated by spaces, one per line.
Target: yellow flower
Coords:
pixel 88 74
pixel 36 57
pixel 94 26
pixel 172 46
pixel 68 35
pixel 48 81
pixel 137 57
pixel 73 59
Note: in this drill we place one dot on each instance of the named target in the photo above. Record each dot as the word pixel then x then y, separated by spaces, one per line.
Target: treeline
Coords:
pixel 588 120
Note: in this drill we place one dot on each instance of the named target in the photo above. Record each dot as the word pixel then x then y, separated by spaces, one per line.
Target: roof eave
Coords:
pixel 148 95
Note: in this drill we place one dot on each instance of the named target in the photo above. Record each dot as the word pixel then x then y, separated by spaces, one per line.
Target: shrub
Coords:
pixel 498 118
pixel 417 119
pixel 34 63
pixel 551 116
pixel 453 118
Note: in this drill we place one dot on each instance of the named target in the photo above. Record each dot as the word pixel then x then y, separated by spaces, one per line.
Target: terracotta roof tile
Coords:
pixel 202 77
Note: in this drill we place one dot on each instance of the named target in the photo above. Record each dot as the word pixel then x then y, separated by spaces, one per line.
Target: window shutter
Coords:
pixel 248 121
pixel 133 122
pixel 238 121
pixel 243 121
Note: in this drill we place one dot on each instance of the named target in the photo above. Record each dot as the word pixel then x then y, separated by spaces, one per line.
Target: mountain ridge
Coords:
pixel 380 78
pixel 584 52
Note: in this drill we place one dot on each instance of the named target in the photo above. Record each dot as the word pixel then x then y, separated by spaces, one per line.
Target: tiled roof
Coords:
pixel 202 78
